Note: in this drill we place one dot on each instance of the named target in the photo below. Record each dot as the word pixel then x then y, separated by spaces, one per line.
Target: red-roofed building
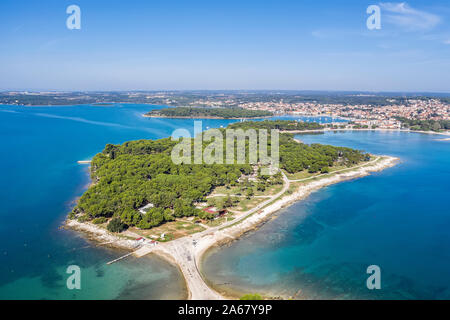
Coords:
pixel 215 211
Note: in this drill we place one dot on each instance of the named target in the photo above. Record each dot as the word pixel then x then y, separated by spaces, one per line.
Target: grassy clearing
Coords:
pixel 299 175
pixel 248 204
pixel 270 191
pixel 257 211
pixel 244 204
pixel 172 230
pixel 217 222
pixel 293 187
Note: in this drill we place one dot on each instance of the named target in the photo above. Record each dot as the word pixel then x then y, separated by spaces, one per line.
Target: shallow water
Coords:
pixel 40 181
pixel 321 247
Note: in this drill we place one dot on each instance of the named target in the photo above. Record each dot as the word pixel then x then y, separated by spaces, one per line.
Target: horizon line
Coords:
pixel 224 90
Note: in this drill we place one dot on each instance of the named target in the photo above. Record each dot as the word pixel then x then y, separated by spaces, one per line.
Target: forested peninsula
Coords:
pixel 211 113
pixel 141 174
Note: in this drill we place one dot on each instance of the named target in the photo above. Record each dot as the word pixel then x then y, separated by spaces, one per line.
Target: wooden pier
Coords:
pixel 120 258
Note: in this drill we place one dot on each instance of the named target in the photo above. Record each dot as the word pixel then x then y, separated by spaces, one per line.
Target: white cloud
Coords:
pixel 407 18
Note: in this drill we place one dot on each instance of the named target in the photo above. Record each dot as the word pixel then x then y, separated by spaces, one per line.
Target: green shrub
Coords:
pixel 116 225
pixel 83 218
pixel 72 215
pixel 325 170
pixel 99 220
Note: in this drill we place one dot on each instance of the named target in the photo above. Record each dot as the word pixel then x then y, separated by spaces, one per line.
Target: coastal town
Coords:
pixel 384 111
pixel 384 116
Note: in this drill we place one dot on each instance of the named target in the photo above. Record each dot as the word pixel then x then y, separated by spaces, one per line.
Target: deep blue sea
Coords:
pixel 39 183
pixel 397 219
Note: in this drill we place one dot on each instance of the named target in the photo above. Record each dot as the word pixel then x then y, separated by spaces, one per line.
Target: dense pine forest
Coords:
pixel 224 113
pixel 282 125
pixel 129 176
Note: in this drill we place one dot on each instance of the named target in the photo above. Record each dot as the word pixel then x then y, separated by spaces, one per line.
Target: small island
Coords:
pixel 208 113
pixel 141 200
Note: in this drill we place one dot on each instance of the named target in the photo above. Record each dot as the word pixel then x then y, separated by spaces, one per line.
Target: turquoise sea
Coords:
pixel 398 219
pixel 39 183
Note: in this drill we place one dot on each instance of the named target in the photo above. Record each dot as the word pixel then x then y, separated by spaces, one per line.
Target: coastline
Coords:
pixel 100 235
pixel 445 133
pixel 257 220
pixel 188 258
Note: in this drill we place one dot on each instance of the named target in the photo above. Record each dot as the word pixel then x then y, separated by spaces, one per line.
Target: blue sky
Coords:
pixel 165 45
